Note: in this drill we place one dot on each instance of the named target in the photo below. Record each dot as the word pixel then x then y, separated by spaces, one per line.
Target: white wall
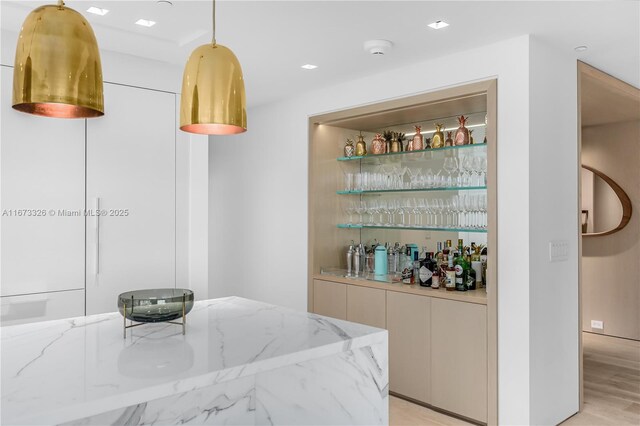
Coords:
pixel 258 206
pixel 553 207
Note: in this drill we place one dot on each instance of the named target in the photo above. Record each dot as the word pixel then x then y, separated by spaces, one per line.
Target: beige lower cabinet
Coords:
pixel 408 322
pixel 330 299
pixel 366 306
pixel 459 358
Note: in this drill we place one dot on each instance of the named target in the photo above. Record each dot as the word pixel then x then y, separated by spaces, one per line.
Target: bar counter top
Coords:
pixel 472 296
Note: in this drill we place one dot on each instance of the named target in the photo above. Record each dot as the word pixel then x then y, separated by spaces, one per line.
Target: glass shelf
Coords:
pixel 383 191
pixel 417 155
pixel 410 228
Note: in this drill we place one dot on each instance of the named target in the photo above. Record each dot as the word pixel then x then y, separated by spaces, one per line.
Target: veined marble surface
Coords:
pixel 61 371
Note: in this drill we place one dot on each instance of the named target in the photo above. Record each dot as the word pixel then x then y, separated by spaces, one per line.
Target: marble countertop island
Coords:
pixel 240 362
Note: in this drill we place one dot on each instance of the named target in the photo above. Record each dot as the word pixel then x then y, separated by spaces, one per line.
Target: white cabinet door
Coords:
pixel 42 175
pixel 41 307
pixel 131 171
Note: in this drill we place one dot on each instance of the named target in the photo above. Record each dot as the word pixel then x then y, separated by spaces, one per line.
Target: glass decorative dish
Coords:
pixel 155 305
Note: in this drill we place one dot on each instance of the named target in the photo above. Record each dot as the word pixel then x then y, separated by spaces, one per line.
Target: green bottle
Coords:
pixel 462 268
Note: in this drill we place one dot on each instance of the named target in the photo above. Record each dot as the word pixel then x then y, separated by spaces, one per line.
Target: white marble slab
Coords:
pixel 62 371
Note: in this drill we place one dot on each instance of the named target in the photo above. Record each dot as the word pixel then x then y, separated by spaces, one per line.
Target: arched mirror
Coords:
pixel 606 208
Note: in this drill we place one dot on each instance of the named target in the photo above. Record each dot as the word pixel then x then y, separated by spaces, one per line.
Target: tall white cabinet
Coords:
pixel 42 249
pixel 63 263
pixel 131 178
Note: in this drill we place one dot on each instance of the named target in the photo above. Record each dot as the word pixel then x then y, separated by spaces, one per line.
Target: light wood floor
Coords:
pixel 611 389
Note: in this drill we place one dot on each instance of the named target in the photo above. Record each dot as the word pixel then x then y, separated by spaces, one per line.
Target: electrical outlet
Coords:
pixel 558 251
pixel 599 325
pixel 427 235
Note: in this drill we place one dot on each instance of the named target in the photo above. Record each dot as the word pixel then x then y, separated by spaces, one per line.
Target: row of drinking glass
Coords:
pixel 466 211
pixel 464 172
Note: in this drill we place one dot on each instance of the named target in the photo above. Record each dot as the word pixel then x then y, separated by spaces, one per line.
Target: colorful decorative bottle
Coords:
pixel 349 149
pixel 388 137
pixel 401 141
pixel 395 143
pixel 361 146
pixel 449 140
pixel 377 144
pixel 437 140
pixel 462 134
pixel 417 143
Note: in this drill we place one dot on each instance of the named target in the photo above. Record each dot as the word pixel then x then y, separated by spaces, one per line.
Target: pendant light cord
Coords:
pixel 213 17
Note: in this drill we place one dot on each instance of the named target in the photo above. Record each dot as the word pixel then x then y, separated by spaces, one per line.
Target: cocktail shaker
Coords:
pixel 350 253
pixel 356 261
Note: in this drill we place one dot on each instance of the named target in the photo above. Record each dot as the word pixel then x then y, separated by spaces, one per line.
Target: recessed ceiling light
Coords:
pixel 438 24
pixel 165 2
pixel 309 66
pixel 97 11
pixel 145 23
pixel 580 48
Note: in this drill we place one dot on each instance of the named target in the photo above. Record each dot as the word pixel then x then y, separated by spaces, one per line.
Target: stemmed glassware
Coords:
pixel 450 165
pixel 483 171
pixel 350 209
pixel 360 209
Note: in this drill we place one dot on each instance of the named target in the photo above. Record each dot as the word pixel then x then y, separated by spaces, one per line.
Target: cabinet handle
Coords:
pixel 97 251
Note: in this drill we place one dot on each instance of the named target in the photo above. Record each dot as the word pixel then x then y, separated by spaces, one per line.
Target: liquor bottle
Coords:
pixel 483 259
pixel 450 283
pixel 462 268
pixel 433 267
pixel 426 271
pixel 415 277
pixel 443 264
pixel 438 256
pixel 471 274
pixel 407 267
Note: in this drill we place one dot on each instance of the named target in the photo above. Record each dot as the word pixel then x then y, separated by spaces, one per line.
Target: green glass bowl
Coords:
pixel 156 305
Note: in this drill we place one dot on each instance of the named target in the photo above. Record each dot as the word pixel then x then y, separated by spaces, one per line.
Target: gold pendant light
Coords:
pixel 213 100
pixel 57 71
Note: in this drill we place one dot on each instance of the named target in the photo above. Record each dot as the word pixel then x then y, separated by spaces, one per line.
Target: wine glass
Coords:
pixel 372 208
pixel 350 209
pixel 466 167
pixel 416 212
pixel 407 209
pixel 450 165
pixel 360 209
pixel 482 205
pixel 437 206
pixel 483 171
pixel 428 209
pixel 455 211
pixel 473 208
pixel 394 208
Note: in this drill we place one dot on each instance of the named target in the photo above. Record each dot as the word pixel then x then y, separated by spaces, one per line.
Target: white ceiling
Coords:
pixel 272 39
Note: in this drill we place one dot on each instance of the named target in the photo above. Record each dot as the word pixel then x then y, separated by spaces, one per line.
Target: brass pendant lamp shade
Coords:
pixel 57 71
pixel 213 98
